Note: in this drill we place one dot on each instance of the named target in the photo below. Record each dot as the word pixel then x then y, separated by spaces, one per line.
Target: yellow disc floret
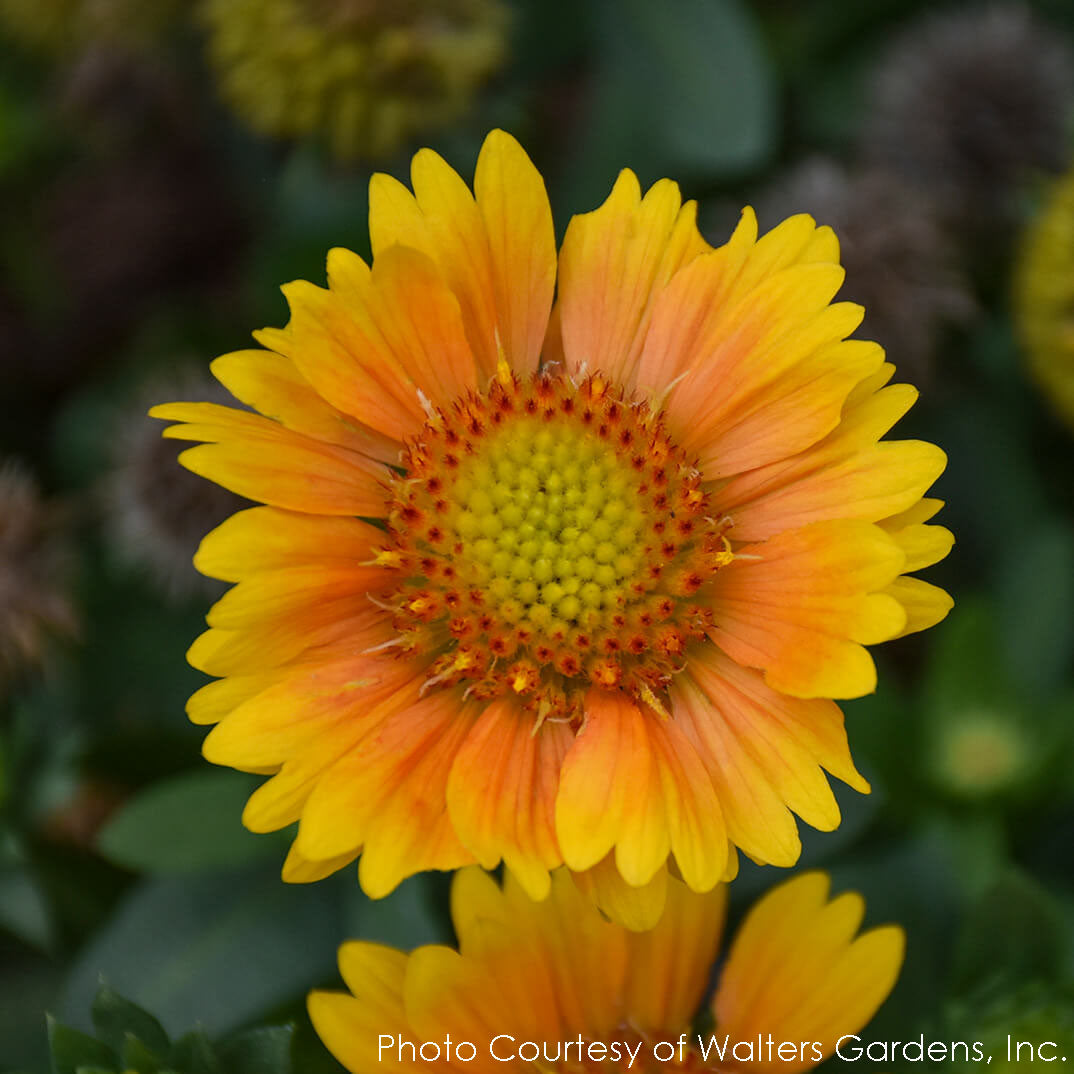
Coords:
pixel 550 535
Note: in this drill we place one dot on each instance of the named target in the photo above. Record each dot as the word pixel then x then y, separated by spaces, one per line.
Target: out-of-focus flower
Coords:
pixel 156 512
pixel 898 259
pixel 79 817
pixel 1044 298
pixel 72 25
pixel 530 977
pixel 626 555
pixel 969 103
pixel 34 601
pixel 364 74
pixel 980 753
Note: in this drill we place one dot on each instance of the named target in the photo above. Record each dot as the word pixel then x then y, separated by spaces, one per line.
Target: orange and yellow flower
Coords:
pixel 569 584
pixel 554 987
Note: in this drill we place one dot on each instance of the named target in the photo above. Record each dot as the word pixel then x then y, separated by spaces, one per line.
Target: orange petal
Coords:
pixel 682 312
pixel 776 379
pixel 261 460
pixel 846 475
pixel 215 700
pixel 268 539
pixel 446 994
pixel 748 332
pixel 543 958
pixel 290 716
pixel 560 966
pixel 363 348
pixel 805 605
pixel 272 385
pixel 522 245
pixel 925 604
pixel 608 769
pixel 387 789
pixel 351 1026
pixel 796 971
pixel 497 253
pixel 634 783
pixel 795 241
pixel 635 908
pixel 316 592
pixel 764 752
pixel 669 966
pixel 315 732
pixel 419 319
pixel 276 641
pixel 502 791
pixel 614 263
pixel 299 870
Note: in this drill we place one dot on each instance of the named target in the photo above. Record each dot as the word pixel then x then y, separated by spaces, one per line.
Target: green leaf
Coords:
pixel 187 823
pixel 137 1057
pixel 193 1053
pixel 215 949
pixel 23 909
pixel 683 89
pixel 965 668
pixel 406 918
pixel 116 1019
pixel 29 985
pixel 259 1051
pixel 1036 592
pixel 71 1050
pixel 1015 933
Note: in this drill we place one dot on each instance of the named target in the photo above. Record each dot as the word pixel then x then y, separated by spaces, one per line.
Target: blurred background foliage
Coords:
pixel 165 167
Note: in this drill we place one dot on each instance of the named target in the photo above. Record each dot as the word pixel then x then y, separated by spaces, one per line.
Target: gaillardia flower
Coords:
pixel 556 586
pixel 555 985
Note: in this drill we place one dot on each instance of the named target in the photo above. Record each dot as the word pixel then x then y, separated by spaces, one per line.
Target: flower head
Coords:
pixel 155 514
pixel 968 103
pixel 556 979
pixel 899 263
pixel 572 588
pixel 364 74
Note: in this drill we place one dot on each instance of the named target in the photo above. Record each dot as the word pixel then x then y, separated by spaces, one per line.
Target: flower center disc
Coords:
pixel 550 535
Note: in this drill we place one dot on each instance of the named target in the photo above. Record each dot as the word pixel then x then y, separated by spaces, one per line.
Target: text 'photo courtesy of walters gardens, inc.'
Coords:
pixel 714 1049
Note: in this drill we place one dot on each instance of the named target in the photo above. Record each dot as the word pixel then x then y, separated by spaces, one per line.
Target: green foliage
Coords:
pixel 129 1040
pixel 213 948
pixel 682 90
pixel 1014 933
pixel 185 824
pixel 1036 592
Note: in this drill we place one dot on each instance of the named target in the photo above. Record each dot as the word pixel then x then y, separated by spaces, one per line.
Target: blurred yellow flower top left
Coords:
pixel 572 586
pixel 365 75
